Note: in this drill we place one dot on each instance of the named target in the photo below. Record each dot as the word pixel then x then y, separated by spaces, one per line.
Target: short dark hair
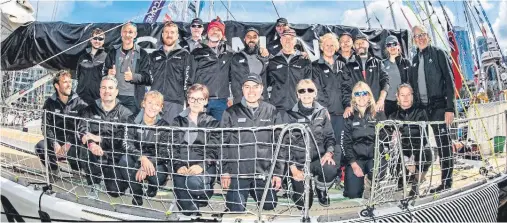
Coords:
pixel 97 31
pixel 59 74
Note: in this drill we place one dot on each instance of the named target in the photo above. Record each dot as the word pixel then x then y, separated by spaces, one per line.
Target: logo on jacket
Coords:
pixel 265 120
pixel 388 67
pixel 57 110
pixel 242 61
pixel 356 123
pixel 97 117
pixel 240 120
pixel 206 55
pixel 356 68
pixel 176 57
pixel 275 46
pixel 296 66
pixel 158 58
pixel 115 117
pixel 301 120
pixel 279 66
pixel 326 71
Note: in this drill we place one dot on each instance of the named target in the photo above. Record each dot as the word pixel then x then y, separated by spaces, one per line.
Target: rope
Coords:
pixel 228 11
pixel 276 10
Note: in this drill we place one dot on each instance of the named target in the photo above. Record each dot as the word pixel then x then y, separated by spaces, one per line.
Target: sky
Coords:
pixel 340 12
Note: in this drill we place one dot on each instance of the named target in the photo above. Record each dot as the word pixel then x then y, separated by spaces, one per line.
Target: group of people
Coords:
pixel 200 83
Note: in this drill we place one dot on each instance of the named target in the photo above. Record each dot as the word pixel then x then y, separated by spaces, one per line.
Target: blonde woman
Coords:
pixel 325 156
pixel 359 139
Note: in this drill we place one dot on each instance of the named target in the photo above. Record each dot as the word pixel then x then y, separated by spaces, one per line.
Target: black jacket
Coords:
pixel 254 148
pixel 333 91
pixel 275 46
pixel 58 127
pixel 376 76
pixel 359 136
pixel 240 70
pixel 207 141
pixel 283 76
pixel 150 141
pixel 185 43
pixel 89 75
pixel 404 68
pixel 320 125
pixel 141 74
pixel 439 78
pixel 410 133
pixel 170 71
pixel 97 121
pixel 212 70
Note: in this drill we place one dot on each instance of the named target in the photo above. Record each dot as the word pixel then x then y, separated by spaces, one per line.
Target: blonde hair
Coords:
pixel 199 87
pixel 361 86
pixel 329 36
pixel 306 82
pixel 157 95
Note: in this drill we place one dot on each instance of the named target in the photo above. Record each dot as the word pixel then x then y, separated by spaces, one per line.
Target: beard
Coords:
pixel 168 42
pixel 251 50
pixel 214 39
pixel 362 51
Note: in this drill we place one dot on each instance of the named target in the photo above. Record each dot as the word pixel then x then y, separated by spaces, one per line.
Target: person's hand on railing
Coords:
pixel 225 180
pixel 195 169
pixel 357 170
pixel 276 182
pixel 140 175
pixel 95 149
pixel 348 112
pixel 327 158
pixel 89 136
pixel 60 151
pixel 297 174
pixel 147 166
pixel 182 170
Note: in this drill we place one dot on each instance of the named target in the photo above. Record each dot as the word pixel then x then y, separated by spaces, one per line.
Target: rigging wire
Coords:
pixel 228 10
pixel 276 10
pixel 37 12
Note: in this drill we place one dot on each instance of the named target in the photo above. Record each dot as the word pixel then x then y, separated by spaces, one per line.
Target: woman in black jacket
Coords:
pixel 149 143
pixel 411 142
pixel 195 152
pixel 324 156
pixel 359 140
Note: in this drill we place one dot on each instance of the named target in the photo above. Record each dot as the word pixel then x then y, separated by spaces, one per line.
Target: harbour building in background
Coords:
pixel 466 59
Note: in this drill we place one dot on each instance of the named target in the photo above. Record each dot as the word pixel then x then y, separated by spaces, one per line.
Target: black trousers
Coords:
pixel 442 137
pixel 324 176
pixel 72 156
pixel 194 191
pixel 239 189
pixel 159 179
pixel 354 186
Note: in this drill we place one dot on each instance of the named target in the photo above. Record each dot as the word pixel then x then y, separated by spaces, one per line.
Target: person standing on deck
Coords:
pixel 194 41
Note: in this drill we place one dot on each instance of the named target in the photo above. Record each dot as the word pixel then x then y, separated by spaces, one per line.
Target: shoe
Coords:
pixel 323 198
pixel 414 190
pixel 94 191
pixel 151 192
pixel 137 201
pixel 440 188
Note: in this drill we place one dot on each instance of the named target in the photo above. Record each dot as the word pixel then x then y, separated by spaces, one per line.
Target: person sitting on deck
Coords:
pixel 195 153
pixel 151 148
pixel 104 152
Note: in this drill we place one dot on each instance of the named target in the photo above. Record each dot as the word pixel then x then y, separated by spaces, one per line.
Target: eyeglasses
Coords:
pixel 196 26
pixel 305 90
pixel 98 38
pixel 360 93
pixel 420 36
pixel 198 100
pixel 391 44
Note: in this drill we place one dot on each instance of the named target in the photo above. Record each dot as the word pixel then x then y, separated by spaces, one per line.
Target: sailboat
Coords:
pixel 30 191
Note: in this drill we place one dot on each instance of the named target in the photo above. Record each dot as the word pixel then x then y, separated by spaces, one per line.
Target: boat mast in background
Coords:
pixel 392 14
pixel 367 15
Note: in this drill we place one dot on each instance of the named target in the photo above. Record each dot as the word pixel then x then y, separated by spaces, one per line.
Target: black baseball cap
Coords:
pixel 345 34
pixel 252 29
pixel 197 21
pixel 391 39
pixel 282 20
pixel 253 77
pixel 360 36
pixel 289 32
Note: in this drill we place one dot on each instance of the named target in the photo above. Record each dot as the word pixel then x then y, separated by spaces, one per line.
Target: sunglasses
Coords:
pixel 281 25
pixel 391 44
pixel 305 90
pixel 196 26
pixel 98 38
pixel 360 93
pixel 420 36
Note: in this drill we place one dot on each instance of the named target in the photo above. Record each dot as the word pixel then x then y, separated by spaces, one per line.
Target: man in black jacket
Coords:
pixel 129 64
pixel 397 68
pixel 105 150
pixel 369 69
pixel 247 160
pixel 346 43
pixel 211 66
pixel 89 68
pixel 285 70
pixel 169 67
pixel 252 59
pixel 60 130
pixel 275 46
pixel 431 78
pixel 194 41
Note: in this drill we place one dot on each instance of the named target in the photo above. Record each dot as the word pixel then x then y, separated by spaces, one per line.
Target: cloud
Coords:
pixel 99 3
pixel 500 26
pixel 379 9
pixel 485 4
pixel 53 10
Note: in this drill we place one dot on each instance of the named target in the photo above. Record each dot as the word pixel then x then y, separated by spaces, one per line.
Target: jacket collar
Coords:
pixel 296 53
pixel 176 47
pixel 316 105
pixel 98 102
pixel 186 112
pixel 135 48
pixel 89 50
pixel 322 61
pixel 140 117
pixel 72 96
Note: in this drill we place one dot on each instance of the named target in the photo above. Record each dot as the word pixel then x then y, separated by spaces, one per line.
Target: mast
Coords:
pixel 429 18
pixel 367 16
pixel 471 26
pixel 392 14
pixel 228 6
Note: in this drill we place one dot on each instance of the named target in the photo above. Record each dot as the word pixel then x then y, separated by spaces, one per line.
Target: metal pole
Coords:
pixel 367 15
pixel 392 14
pixel 229 8
pixel 431 22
